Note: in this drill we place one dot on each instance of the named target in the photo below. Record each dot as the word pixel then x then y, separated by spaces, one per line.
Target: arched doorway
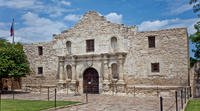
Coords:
pixel 91 75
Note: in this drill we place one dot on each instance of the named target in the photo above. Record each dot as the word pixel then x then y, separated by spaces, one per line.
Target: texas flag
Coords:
pixel 12 29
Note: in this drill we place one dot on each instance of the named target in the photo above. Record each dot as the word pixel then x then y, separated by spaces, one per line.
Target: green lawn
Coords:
pixel 193 105
pixel 30 105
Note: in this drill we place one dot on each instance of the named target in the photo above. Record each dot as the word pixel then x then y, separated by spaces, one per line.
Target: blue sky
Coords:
pixel 37 20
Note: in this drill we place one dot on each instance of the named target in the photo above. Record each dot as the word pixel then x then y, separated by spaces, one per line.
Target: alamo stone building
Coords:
pixel 103 57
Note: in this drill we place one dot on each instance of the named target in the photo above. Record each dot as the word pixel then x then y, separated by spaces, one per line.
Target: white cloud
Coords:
pixel 72 17
pixel 4 33
pixel 181 9
pixel 25 4
pixel 36 29
pixel 54 10
pixel 65 3
pixel 175 7
pixel 114 17
pixel 169 23
pixel 62 2
pixel 2 24
pixel 152 25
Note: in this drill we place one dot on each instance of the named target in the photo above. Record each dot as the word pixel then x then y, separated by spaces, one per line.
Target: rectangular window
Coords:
pixel 155 67
pixel 90 45
pixel 40 50
pixel 40 70
pixel 151 40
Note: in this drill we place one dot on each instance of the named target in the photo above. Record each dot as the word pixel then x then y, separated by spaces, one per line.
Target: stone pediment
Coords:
pixel 91 23
pixel 89 19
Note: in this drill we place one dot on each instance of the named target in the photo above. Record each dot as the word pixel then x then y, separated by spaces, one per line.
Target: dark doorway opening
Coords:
pixel 91 81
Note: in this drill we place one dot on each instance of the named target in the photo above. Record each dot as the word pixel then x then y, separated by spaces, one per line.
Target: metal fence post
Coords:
pixel 176 101
pixel 67 88
pixel 48 93
pixel 190 92
pixel 185 95
pixel 87 93
pixel 134 91
pixel 86 97
pixel 55 99
pixel 182 99
pixel 0 101
pixel 161 103
pixel 12 80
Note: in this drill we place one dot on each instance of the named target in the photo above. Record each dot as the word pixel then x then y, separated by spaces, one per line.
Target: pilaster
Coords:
pixel 61 67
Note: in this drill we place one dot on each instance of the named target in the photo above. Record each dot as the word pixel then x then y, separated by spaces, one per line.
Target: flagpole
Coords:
pixel 13 40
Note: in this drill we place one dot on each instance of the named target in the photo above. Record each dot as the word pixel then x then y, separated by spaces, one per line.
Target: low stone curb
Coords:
pixel 61 107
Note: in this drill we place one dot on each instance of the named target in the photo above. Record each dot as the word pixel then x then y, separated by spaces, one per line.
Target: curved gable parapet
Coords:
pixel 93 23
pixel 93 26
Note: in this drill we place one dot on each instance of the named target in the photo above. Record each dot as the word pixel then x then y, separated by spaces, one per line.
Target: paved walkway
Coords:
pixel 105 102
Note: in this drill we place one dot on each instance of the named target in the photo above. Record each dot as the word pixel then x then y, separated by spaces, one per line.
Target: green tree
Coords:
pixel 13 61
pixel 195 38
pixel 196 6
pixel 4 43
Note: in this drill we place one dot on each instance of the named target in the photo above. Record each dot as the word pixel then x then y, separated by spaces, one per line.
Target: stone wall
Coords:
pixel 171 52
pixel 49 62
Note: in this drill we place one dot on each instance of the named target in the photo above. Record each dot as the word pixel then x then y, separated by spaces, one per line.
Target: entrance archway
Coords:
pixel 91 76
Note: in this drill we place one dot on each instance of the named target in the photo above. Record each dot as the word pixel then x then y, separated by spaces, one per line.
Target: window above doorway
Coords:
pixel 90 45
pixel 40 50
pixel 151 40
pixel 68 46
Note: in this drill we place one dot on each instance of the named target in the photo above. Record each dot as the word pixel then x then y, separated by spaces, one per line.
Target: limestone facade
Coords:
pixel 121 57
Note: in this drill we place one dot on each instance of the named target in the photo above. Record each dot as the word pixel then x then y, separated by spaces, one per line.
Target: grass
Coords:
pixel 30 105
pixel 193 105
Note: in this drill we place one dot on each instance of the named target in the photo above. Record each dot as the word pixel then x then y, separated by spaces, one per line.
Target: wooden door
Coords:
pixel 91 76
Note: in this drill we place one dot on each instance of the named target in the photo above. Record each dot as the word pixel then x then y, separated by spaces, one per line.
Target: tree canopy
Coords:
pixel 195 38
pixel 196 6
pixel 13 61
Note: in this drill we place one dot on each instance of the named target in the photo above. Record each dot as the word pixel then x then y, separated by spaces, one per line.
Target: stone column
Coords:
pixel 61 66
pixel 106 74
pixel 120 82
pixel 106 70
pixel 61 81
pixel 121 69
pixel 73 81
pixel 109 73
pixel 73 72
